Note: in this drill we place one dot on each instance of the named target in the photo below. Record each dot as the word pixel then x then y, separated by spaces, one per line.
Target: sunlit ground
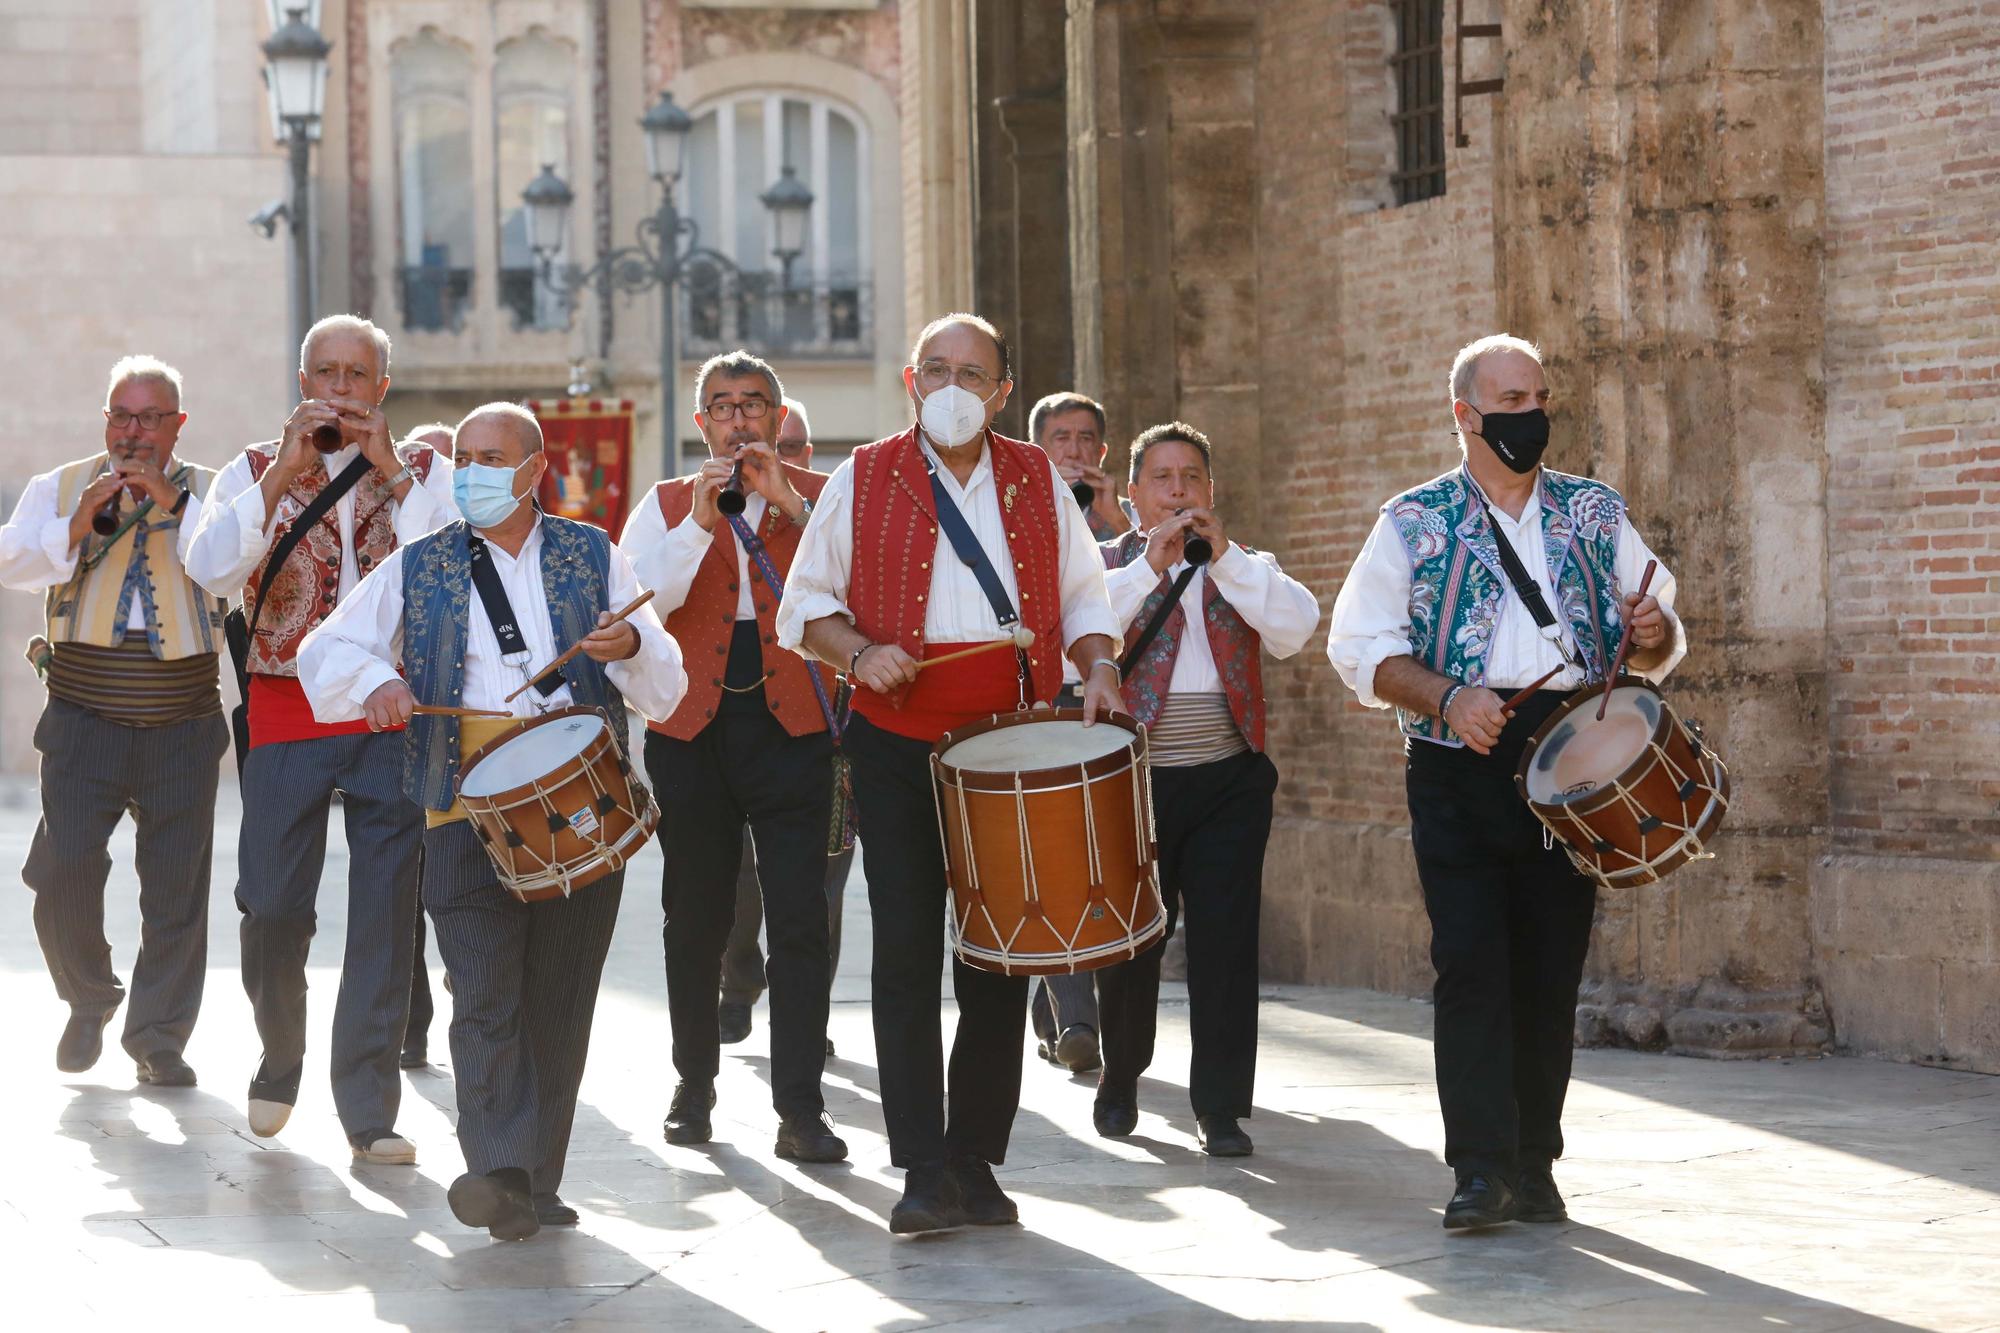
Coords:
pixel 1820 1195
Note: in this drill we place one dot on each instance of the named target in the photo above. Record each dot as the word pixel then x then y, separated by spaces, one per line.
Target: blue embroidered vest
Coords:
pixel 437 600
pixel 1457 583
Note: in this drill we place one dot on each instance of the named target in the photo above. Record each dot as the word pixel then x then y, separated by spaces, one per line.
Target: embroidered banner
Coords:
pixel 589 443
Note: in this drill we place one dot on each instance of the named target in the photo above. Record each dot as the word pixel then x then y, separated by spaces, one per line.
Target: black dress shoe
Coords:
pixel 82 1042
pixel 166 1069
pixel 732 1022
pixel 551 1211
pixel 1482 1200
pixel 496 1201
pixel 810 1138
pixel 1540 1200
pixel 1115 1114
pixel 980 1195
pixel 930 1201
pixel 687 1114
pixel 1076 1049
pixel 1221 1136
pixel 414 1057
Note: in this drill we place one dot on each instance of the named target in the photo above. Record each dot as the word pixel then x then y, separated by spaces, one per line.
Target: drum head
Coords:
pixel 1033 745
pixel 1581 754
pixel 540 749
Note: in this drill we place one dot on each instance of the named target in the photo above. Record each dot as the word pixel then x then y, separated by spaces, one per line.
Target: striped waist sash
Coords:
pixel 128 685
pixel 1193 729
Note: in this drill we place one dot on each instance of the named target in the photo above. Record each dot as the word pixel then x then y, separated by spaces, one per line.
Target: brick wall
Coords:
pixel 1907 914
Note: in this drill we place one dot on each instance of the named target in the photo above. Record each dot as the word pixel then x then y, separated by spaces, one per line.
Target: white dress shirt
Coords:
pixel 955 609
pixel 1371 616
pixel 356 649
pixel 1282 610
pixel 236 529
pixel 35 550
pixel 667 561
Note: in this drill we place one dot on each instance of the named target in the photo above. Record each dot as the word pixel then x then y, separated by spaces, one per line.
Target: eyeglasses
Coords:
pixel 934 375
pixel 120 418
pixel 750 409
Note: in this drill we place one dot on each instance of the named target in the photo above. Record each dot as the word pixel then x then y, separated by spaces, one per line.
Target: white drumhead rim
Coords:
pixel 1037 744
pixel 531 753
pixel 1559 772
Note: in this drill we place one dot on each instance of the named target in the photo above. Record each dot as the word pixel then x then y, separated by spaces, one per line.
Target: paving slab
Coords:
pixel 1816 1195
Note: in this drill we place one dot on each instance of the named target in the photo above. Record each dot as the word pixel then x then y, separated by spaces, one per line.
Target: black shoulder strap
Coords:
pixel 1529 591
pixel 1159 620
pixel 500 614
pixel 970 552
pixel 311 514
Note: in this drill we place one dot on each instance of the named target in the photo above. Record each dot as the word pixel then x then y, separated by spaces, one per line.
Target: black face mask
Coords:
pixel 1518 437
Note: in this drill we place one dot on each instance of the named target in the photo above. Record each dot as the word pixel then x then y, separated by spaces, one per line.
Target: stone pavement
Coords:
pixel 1812 1195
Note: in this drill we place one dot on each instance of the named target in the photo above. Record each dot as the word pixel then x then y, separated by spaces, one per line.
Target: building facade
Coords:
pixel 1756 241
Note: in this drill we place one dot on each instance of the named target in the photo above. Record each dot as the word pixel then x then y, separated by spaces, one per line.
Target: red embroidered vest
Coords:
pixel 304 592
pixel 703 624
pixel 896 538
pixel 1236 648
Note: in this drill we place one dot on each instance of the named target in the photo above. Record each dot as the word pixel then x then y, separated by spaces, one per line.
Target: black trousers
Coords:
pixel 1510 924
pixel 904 864
pixel 744 767
pixel 1213 822
pixel 743 957
pixel 93 772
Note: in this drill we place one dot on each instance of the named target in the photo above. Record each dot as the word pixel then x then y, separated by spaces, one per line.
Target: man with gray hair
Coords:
pixel 1471 588
pixel 295 525
pixel 133 720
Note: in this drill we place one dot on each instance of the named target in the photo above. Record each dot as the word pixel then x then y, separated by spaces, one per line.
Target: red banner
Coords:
pixel 589 443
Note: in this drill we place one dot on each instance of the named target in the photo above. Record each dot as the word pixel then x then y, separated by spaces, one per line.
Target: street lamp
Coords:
pixel 295 73
pixel 668 248
pixel 789 202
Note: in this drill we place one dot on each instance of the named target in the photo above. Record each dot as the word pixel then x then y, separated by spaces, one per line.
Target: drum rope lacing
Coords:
pixel 556 873
pixel 1642 871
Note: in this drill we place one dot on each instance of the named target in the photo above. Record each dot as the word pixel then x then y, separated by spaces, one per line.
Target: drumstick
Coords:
pixel 1624 644
pixel 577 647
pixel 1023 638
pixel 446 710
pixel 1517 700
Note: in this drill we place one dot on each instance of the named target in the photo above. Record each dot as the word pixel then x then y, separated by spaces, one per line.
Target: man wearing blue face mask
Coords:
pixel 525 974
pixel 1473 587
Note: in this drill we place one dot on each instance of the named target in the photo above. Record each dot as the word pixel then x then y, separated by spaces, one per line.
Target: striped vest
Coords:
pixel 437 605
pixel 1457 584
pixel 140 568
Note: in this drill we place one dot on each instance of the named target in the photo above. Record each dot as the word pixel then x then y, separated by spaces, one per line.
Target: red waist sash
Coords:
pixel 947 696
pixel 279 711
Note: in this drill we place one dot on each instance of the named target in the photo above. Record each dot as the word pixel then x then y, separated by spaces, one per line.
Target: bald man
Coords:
pixel 525 974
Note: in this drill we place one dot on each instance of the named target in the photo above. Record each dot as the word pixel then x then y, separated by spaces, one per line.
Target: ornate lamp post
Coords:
pixel 295 74
pixel 668 247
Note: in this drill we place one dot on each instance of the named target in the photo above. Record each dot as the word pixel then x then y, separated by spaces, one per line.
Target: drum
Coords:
pixel 1633 796
pixel 555 803
pixel 1048 839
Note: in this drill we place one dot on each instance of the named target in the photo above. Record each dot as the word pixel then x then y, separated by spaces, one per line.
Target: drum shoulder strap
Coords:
pixel 500 612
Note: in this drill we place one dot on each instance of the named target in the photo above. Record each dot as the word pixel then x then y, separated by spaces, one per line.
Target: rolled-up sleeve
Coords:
pixel 354 651
pixel 652 679
pixel 816 587
pixel 1079 574
pixel 1633 554
pixel 1371 616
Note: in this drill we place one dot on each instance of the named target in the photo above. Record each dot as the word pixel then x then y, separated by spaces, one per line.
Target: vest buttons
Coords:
pixel 924 565
pixel 729 620
pixel 715 680
pixel 732 585
pixel 721 648
pixel 767 638
pixel 920 597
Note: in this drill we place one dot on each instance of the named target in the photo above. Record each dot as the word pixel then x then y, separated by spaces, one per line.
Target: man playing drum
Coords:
pixel 749 744
pixel 133 720
pixel 1472 587
pixel 1198 686
pixel 524 974
pixel 879 585
pixel 335 447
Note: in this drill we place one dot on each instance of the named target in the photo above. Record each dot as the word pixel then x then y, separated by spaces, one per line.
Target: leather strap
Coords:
pixel 500 614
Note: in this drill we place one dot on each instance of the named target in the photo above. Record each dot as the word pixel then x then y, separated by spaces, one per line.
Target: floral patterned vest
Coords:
pixel 437 602
pixel 1457 583
pixel 304 592
pixel 1237 649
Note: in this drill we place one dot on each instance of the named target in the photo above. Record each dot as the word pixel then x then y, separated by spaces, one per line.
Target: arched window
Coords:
pixel 532 82
pixel 820 302
pixel 431 80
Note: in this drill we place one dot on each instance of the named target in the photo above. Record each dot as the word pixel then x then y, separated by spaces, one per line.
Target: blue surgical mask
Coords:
pixel 485 495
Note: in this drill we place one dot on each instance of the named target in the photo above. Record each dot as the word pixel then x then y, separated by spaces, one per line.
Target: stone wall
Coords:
pixel 1906 912
pixel 67 76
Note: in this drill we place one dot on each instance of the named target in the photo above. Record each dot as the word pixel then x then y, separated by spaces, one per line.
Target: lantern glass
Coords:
pixel 548 202
pixel 666 127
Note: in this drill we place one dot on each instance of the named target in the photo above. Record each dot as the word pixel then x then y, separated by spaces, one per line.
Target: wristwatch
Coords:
pixel 805 510
pixel 1111 662
pixel 407 474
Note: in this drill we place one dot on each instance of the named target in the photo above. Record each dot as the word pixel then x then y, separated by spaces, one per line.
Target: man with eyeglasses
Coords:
pixel 335 447
pixel 750 744
pixel 742 960
pixel 874 592
pixel 133 720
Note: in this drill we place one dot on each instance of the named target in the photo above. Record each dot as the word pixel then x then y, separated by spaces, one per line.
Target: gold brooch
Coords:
pixel 1009 501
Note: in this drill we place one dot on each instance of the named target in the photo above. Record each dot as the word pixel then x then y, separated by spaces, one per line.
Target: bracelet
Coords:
pixel 855 660
pixel 1444 703
pixel 1110 662
pixel 805 511
pixel 407 474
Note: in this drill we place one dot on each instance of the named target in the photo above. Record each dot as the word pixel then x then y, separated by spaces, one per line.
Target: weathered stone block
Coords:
pixel 1883 1005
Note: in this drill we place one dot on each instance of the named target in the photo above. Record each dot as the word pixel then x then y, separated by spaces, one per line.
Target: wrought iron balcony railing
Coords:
pixel 434 297
pixel 721 310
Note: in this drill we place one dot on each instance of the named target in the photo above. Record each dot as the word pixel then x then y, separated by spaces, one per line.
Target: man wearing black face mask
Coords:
pixel 1472 587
